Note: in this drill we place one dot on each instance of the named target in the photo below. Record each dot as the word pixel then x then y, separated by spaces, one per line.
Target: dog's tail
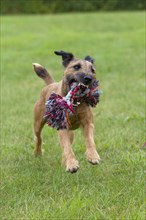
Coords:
pixel 43 73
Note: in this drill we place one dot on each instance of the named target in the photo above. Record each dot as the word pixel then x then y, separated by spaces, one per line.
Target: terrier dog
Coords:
pixel 76 70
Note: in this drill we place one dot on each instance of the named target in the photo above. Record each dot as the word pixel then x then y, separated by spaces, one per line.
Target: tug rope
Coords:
pixel 58 108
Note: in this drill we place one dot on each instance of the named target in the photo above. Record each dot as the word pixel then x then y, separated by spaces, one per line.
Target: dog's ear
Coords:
pixel 66 57
pixel 90 59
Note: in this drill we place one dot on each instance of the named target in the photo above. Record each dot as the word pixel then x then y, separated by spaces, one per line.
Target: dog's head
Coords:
pixel 76 70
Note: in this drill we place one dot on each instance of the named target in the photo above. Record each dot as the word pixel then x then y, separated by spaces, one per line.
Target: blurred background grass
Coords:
pixel 63 6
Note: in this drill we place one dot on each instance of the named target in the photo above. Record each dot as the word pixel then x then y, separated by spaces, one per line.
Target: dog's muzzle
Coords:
pixel 82 78
pixel 87 80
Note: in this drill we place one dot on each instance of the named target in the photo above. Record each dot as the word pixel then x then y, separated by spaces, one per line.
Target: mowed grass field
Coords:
pixel 39 188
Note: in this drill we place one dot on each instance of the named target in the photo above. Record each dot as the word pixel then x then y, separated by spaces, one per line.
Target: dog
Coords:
pixel 76 70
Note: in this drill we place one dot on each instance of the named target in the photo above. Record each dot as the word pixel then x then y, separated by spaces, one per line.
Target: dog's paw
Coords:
pixel 72 166
pixel 93 157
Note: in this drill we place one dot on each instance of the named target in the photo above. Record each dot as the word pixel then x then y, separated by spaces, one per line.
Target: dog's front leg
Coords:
pixel 91 153
pixel 66 139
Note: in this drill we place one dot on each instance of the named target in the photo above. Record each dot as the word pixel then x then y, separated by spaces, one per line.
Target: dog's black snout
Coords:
pixel 87 80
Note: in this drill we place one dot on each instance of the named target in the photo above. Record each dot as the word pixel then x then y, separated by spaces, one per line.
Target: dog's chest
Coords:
pixel 74 121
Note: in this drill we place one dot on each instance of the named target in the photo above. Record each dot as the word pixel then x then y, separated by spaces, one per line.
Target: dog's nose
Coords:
pixel 87 80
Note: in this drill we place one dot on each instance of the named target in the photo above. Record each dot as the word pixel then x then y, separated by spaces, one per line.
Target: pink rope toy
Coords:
pixel 58 107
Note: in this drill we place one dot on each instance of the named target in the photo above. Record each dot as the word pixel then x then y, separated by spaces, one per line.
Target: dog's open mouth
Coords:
pixel 81 84
pixel 80 92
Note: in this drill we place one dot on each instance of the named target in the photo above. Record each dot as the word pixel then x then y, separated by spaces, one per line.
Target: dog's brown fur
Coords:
pixel 74 69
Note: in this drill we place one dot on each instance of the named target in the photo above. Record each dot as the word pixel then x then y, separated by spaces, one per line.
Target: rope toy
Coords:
pixel 58 108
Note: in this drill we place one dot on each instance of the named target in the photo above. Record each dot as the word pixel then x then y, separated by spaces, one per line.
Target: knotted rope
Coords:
pixel 58 108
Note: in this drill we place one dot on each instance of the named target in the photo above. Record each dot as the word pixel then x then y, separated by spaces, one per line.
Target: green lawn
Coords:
pixel 39 188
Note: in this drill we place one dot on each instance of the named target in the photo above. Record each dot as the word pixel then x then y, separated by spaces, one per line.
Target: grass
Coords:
pixel 39 188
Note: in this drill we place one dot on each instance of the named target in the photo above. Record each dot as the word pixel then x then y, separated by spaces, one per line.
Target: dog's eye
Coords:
pixel 77 67
pixel 93 70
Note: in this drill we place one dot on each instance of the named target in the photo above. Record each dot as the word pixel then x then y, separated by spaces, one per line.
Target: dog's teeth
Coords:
pixel 82 84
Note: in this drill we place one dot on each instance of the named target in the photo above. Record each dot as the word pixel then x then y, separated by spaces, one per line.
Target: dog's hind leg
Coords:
pixel 66 140
pixel 38 126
